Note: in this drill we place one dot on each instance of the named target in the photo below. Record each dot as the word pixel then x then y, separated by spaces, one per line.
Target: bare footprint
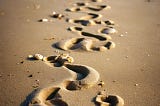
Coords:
pixel 82 77
pixel 92 8
pixel 86 77
pixel 80 31
pixel 91 16
pixel 48 96
pixel 109 100
pixel 98 7
pixel 75 43
pixel 88 17
pixel 82 22
pixel 84 44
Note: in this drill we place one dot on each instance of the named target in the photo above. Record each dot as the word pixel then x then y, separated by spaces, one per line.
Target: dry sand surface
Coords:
pixel 130 70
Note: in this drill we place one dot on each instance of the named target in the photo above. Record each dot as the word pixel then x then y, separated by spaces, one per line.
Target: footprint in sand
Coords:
pixel 84 44
pixel 103 99
pixel 85 7
pixel 83 77
pixel 104 33
pixel 86 22
pixel 88 41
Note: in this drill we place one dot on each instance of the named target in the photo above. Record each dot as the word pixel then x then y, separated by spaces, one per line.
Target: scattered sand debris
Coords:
pixel 121 35
pixel 57 51
pixel 43 20
pixel 37 81
pixel 101 84
pixel 30 56
pixel 36 56
pixel 20 62
pixel 0 75
pixel 30 75
pixel 56 15
pixel 136 85
pixel 109 30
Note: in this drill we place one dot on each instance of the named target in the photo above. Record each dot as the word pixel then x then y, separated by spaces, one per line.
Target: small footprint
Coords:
pixel 109 100
pixel 92 8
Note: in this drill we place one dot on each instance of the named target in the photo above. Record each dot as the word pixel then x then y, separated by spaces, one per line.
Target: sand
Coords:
pixel 130 70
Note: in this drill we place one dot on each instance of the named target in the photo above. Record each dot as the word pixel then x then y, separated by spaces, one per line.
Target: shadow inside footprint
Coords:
pixel 82 72
pixel 97 8
pixel 101 38
pixel 58 102
pixel 55 98
pixel 113 100
pixel 28 98
pixel 75 29
pixel 91 16
pixel 76 44
pixel 54 94
pixel 82 22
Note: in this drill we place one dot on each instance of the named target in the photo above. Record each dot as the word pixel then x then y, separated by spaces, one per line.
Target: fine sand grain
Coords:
pixel 129 72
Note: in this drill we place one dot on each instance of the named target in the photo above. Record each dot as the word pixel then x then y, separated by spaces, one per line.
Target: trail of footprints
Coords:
pixel 90 19
pixel 83 77
pixel 51 96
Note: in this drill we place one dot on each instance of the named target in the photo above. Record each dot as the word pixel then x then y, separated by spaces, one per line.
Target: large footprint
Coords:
pixel 83 44
pixel 83 77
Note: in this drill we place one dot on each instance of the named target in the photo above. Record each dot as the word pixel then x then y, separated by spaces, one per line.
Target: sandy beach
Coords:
pixel 114 43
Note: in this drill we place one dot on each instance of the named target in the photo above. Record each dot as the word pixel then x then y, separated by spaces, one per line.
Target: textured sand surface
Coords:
pixel 131 70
